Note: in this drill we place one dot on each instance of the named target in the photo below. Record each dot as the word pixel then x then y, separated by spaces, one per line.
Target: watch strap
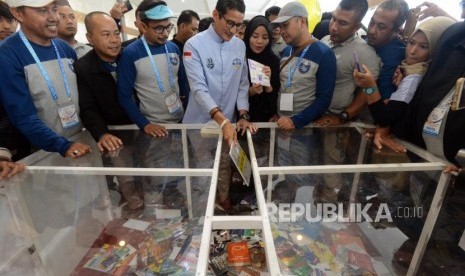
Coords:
pixel 370 90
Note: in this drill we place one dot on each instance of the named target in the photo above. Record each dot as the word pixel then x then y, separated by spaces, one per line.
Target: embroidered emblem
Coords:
pixel 70 64
pixel 174 60
pixel 304 67
pixel 236 64
pixel 210 63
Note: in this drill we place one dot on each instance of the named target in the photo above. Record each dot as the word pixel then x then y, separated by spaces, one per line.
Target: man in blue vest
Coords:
pixel 38 88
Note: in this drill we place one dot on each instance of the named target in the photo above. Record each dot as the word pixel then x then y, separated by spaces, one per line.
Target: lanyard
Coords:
pixel 292 72
pixel 49 83
pixel 155 70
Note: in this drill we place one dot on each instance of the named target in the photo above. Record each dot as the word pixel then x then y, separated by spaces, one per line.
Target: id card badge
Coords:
pixel 173 103
pixel 287 102
pixel 433 123
pixel 68 116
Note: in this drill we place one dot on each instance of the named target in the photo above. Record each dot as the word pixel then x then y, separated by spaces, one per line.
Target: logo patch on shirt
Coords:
pixel 210 63
pixel 70 64
pixel 236 63
pixel 174 60
pixel 304 67
pixel 187 55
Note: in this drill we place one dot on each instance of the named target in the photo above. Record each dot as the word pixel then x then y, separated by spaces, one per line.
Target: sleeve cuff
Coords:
pixel 5 154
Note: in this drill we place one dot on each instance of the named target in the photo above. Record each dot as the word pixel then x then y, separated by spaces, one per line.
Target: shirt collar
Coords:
pixel 344 43
pixel 212 33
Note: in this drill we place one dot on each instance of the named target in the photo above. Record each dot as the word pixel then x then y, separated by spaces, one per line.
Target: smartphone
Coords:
pixel 357 64
pixel 458 101
pixel 128 5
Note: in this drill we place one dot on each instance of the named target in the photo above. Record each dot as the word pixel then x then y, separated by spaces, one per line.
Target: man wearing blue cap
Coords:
pixel 152 67
pixel 38 88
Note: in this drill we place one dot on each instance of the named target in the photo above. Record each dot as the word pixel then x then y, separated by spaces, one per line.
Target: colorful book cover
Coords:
pixel 238 253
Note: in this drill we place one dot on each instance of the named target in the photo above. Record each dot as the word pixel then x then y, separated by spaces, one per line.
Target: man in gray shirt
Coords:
pixel 67 28
pixel 351 51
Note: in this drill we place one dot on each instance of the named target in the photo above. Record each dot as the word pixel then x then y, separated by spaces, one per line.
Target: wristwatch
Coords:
pixel 344 117
pixel 245 116
pixel 370 90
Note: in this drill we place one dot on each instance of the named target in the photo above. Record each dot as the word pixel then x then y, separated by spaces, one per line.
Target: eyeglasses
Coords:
pixel 230 24
pixel 160 28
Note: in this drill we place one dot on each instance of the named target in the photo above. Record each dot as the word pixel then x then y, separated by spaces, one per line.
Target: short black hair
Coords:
pixel 63 3
pixel 186 17
pixel 5 11
pixel 359 6
pixel 274 10
pixel 222 6
pixel 205 23
pixel 89 17
pixel 402 8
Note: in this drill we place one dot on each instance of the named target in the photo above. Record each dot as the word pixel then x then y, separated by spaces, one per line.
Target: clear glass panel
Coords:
pixel 143 151
pixel 321 146
pixel 234 196
pixel 81 227
pixel 352 223
pixel 14 258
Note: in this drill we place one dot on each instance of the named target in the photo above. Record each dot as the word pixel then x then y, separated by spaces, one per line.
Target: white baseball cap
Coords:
pixel 290 10
pixel 28 3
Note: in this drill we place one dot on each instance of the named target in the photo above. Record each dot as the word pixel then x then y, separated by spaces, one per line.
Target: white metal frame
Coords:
pixel 261 220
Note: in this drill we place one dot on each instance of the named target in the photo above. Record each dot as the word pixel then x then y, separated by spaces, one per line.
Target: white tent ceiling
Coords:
pixel 253 7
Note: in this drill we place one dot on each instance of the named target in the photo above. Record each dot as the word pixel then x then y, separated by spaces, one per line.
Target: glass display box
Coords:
pixel 324 202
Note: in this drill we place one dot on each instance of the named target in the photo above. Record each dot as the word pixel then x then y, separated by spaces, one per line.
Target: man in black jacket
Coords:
pixel 96 79
pixel 8 168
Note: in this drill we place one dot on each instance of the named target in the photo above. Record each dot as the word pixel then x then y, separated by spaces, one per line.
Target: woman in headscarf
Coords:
pixel 258 40
pixel 420 48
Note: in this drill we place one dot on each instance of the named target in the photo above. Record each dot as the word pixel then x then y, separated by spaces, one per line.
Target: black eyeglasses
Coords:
pixel 160 28
pixel 230 24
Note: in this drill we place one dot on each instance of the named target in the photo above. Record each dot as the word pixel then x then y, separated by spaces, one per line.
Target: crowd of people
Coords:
pixel 53 85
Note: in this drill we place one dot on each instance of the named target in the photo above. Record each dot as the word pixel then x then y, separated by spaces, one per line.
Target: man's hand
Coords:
pixel 9 169
pixel 229 133
pixel 328 120
pixel 451 168
pixel 285 123
pixel 398 77
pixel 274 119
pixel 431 10
pixel 243 125
pixel 255 89
pixel 77 150
pixel 109 142
pixel 364 80
pixel 118 10
pixel 155 130
pixel 384 138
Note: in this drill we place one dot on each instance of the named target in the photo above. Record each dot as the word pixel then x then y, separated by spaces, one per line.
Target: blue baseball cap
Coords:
pixel 159 12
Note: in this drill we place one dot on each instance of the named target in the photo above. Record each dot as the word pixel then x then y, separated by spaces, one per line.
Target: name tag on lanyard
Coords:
pixel 172 101
pixel 287 99
pixel 435 119
pixel 68 116
pixel 67 113
pixel 287 102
